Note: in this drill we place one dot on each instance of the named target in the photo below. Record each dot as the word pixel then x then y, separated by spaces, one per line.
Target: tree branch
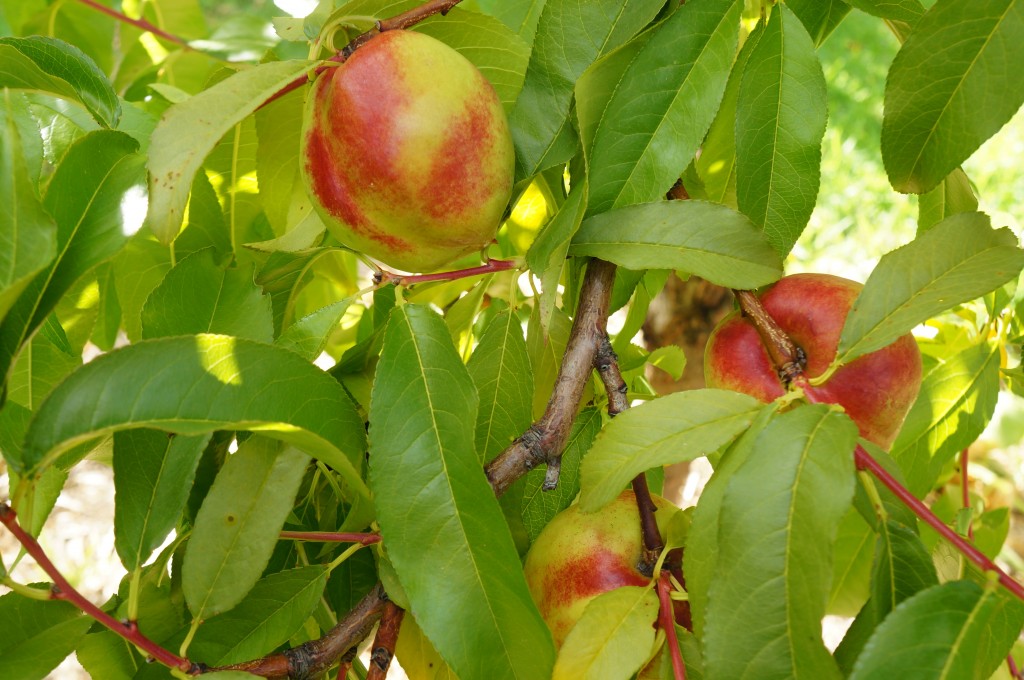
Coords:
pixel 544 440
pixel 383 647
pixel 62 590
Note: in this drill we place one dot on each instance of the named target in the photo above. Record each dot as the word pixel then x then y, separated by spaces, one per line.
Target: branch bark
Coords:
pixel 544 440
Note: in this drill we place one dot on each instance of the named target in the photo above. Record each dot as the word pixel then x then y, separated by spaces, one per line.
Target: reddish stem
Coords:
pixel 382 651
pixel 138 23
pixel 865 461
pixel 331 537
pixel 62 590
pixel 653 545
pixel 410 279
pixel 402 21
pixel 666 619
pixel 1014 671
pixel 965 459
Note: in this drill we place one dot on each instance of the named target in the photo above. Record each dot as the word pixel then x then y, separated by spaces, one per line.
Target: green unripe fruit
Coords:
pixel 406 152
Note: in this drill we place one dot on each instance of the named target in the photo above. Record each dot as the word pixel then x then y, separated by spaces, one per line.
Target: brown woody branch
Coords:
pixel 544 440
pixel 401 22
pixel 383 648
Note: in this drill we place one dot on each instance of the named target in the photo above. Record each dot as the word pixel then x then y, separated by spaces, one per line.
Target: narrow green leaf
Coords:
pixel 107 655
pixel 539 506
pixel 448 542
pixel 706 239
pixel 238 524
pixel 907 11
pixel 500 369
pixel 308 335
pixel 519 15
pixel 278 128
pixel 957 56
pixel 556 64
pixel 138 269
pixel 14 419
pixel 153 474
pixel 956 402
pixel 85 199
pixel 953 630
pixel 957 260
pixel 58 68
pixel 612 639
pixel 778 523
pixel 40 366
pixel 193 385
pixel 36 635
pixel 270 614
pixel 953 195
pixel 662 105
pixel 200 296
pixel 701 554
pixel 27 232
pixel 189 131
pixel 547 253
pixel 853 556
pixel 780 122
pixel 676 428
pixel 902 568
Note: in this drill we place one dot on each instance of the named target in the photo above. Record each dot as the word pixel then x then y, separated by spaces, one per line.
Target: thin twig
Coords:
pixel 787 357
pixel 62 590
pixel 666 618
pixel 137 23
pixel 544 440
pixel 965 459
pixel 492 266
pixel 383 647
pixel 401 22
pixel 330 537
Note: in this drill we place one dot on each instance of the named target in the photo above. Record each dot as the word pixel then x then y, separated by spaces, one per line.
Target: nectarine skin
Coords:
pixel 406 152
pixel 876 390
pixel 580 555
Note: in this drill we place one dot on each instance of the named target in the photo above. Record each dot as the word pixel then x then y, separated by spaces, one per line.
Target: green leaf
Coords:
pixel 308 335
pixel 189 131
pixel 56 67
pixel 40 366
pixel 778 522
pixel 539 506
pixel 500 369
pixel 547 253
pixel 278 128
pixel 27 232
pixel 448 542
pixel 612 639
pixel 957 260
pixel 780 122
pixel 820 17
pixel 193 385
pixel 556 64
pixel 14 419
pixel 902 568
pixel 200 296
pixel 907 11
pixel 953 195
pixel 706 239
pixel 153 474
pixel 701 554
pixel 662 105
pixel 36 635
pixel 953 630
pixel 137 270
pixel 238 524
pixel 673 429
pixel 519 15
pixel 85 199
pixel 956 402
pixel 272 612
pixel 107 655
pixel 952 85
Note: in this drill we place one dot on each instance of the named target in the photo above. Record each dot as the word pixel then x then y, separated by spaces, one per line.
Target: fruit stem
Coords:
pixel 62 590
pixel 385 276
pixel 787 357
pixel 653 545
pixel 383 647
pixel 667 621
pixel 331 537
pixel 400 22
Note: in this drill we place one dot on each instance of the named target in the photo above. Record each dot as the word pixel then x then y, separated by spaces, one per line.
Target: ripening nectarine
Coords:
pixel 406 152
pixel 876 389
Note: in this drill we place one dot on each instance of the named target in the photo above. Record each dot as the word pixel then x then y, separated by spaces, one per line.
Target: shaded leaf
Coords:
pixel 36 635
pixel 778 522
pixel 820 17
pixel 706 239
pixel 957 56
pixel 780 122
pixel 448 542
pixel 957 260
pixel 153 474
pixel 675 428
pixel 238 524
pixel 953 195
pixel 308 335
pixel 193 385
